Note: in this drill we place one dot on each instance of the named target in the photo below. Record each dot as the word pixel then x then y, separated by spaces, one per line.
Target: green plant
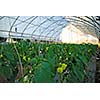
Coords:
pixel 45 63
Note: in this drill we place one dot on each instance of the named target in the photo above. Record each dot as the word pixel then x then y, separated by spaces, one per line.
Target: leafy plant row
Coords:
pixel 45 63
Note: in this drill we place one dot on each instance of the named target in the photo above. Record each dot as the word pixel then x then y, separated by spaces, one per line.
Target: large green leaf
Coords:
pixel 6 71
pixel 43 73
pixel 78 73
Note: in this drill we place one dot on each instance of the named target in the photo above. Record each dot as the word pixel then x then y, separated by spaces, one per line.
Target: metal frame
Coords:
pixel 87 24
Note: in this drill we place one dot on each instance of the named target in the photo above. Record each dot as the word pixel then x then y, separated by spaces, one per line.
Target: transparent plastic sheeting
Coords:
pixel 35 27
pixel 86 24
pixel 45 27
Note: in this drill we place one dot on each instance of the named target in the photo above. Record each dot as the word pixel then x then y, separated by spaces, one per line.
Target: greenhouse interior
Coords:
pixel 49 49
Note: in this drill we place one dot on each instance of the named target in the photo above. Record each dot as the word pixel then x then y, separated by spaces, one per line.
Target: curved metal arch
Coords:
pixel 20 20
pixel 86 30
pixel 49 27
pixel 56 32
pixel 55 28
pixel 94 23
pixel 89 21
pixel 93 20
pixel 56 37
pixel 83 21
pixel 51 31
pixel 63 18
pixel 40 25
pixel 23 21
pixel 78 24
pixel 29 24
pixel 95 28
pixel 85 24
pixel 2 17
pixel 12 25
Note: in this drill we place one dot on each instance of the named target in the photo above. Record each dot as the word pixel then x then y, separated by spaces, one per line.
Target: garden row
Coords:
pixel 45 63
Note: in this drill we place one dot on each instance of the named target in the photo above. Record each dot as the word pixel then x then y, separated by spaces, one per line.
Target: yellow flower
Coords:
pixel 29 59
pixel 47 48
pixel 59 70
pixel 64 66
pixel 24 58
pixel 1 56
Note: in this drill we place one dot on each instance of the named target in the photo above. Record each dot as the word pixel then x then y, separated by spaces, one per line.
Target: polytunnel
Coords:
pixel 32 27
pixel 46 27
pixel 49 49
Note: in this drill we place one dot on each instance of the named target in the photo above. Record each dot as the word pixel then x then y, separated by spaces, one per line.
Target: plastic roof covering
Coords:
pixel 38 27
pixel 45 27
pixel 86 24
